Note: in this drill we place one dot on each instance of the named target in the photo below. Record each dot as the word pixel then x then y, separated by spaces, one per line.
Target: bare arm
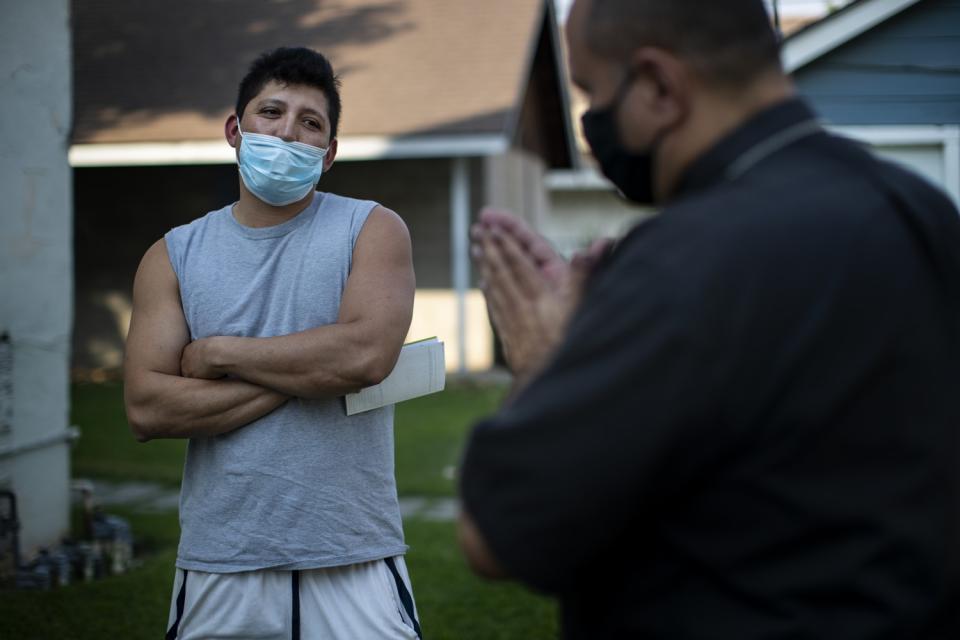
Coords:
pixel 476 550
pixel 160 403
pixel 359 350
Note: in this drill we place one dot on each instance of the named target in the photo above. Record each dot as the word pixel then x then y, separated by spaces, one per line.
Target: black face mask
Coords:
pixel 631 173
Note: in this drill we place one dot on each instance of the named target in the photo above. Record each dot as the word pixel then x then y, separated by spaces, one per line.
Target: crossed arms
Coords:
pixel 175 388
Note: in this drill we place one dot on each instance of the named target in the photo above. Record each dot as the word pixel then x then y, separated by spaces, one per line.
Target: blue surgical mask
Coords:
pixel 278 172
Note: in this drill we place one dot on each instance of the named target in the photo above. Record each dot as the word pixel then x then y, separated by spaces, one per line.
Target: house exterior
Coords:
pixel 887 72
pixel 36 284
pixel 447 105
pixel 438 120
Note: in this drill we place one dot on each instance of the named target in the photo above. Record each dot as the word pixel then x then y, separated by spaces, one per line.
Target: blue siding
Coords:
pixel 904 71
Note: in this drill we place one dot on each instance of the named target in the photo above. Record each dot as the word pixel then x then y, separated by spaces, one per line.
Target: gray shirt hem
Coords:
pixel 316 563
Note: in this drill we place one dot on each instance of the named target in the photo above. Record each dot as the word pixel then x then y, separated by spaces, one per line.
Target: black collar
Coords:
pixel 711 167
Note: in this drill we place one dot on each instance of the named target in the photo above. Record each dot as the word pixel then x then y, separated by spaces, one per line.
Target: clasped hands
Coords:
pixel 531 291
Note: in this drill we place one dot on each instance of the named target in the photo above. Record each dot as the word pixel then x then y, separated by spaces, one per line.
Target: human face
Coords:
pixel 293 113
pixel 649 84
pixel 631 172
pixel 599 78
pixel 639 105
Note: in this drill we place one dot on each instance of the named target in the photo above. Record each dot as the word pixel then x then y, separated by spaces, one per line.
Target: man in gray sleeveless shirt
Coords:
pixel 248 325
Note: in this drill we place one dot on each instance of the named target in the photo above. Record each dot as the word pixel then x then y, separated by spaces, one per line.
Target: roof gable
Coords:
pixel 821 37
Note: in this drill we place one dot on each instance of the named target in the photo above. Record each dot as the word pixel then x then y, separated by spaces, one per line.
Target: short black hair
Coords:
pixel 729 42
pixel 292 66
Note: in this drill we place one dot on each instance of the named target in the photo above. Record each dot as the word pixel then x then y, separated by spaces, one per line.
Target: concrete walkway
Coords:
pixel 151 497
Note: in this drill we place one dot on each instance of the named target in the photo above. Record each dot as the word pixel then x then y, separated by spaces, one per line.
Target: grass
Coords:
pixel 106 448
pixel 453 604
pixel 131 606
pixel 430 433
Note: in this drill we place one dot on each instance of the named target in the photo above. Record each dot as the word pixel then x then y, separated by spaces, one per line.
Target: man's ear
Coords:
pixel 231 130
pixel 331 155
pixel 666 86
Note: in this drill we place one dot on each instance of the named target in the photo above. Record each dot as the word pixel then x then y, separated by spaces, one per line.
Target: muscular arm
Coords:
pixel 160 402
pixel 357 351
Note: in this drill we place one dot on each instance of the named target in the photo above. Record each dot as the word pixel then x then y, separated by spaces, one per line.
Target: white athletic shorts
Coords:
pixel 365 601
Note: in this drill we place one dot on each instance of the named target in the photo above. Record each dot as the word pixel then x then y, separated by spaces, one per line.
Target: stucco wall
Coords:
pixel 579 216
pixel 36 292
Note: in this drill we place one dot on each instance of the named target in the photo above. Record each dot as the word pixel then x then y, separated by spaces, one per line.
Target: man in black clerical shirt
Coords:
pixel 743 421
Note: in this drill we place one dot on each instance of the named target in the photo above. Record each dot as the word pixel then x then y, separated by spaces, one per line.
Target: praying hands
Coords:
pixel 531 291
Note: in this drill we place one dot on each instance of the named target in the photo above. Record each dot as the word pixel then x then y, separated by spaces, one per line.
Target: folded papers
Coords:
pixel 420 370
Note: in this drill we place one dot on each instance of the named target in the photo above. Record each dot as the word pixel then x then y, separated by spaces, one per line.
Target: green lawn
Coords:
pixel 453 604
pixel 129 606
pixel 106 448
pixel 430 434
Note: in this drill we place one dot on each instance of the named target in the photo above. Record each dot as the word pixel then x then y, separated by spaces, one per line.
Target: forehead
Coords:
pixel 296 96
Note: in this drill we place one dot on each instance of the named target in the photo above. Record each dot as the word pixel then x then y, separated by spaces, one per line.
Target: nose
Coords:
pixel 287 129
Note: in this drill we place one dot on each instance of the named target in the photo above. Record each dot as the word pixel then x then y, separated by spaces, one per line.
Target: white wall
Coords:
pixel 435 314
pixel 584 207
pixel 36 260
pixel 933 151
pixel 577 218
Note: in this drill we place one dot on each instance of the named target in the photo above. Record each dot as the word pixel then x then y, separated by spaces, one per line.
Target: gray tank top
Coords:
pixel 305 486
